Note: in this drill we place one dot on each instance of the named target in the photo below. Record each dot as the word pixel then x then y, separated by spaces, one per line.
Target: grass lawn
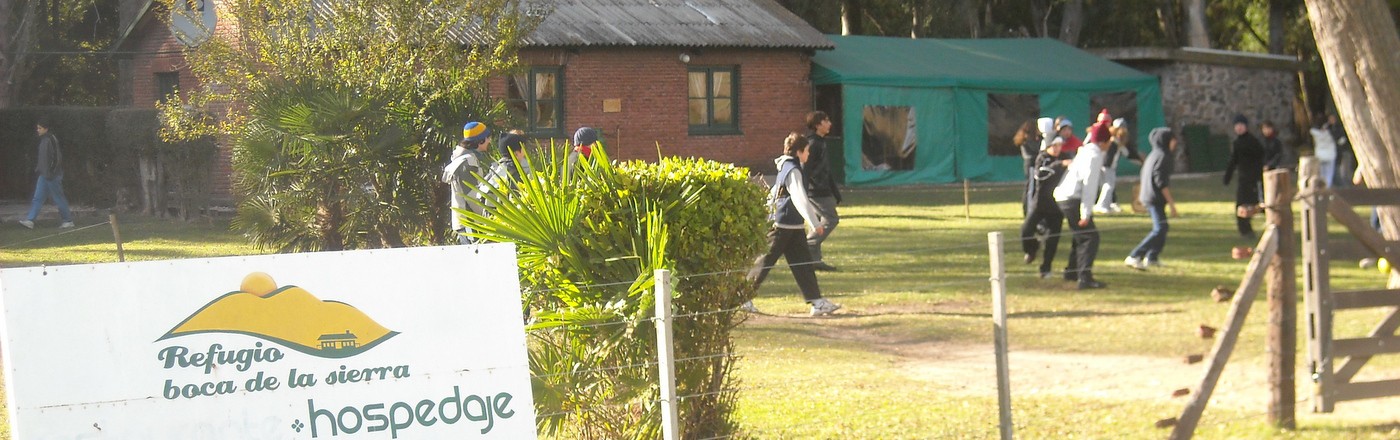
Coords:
pixel 910 355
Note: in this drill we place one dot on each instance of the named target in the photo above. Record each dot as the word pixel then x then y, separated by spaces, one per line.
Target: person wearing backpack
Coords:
pixel 50 183
pixel 462 174
pixel 792 208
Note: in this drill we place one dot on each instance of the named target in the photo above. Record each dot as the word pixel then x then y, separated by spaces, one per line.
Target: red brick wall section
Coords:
pixel 159 52
pixel 775 93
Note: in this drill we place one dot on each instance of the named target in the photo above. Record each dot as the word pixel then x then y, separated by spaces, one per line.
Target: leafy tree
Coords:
pixel 344 111
pixel 52 52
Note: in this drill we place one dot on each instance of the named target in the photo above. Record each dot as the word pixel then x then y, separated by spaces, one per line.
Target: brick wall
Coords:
pixel 158 51
pixel 775 93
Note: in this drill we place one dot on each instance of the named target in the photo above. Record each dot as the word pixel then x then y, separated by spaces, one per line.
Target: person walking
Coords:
pixel 1246 157
pixel 1027 139
pixel 1041 210
pixel 1325 150
pixel 1156 196
pixel 1276 157
pixel 1119 147
pixel 825 195
pixel 462 174
pixel 1075 197
pixel 50 182
pixel 1346 157
pixel 792 207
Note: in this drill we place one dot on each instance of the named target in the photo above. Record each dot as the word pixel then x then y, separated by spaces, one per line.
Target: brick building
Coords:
pixel 725 80
pixel 720 79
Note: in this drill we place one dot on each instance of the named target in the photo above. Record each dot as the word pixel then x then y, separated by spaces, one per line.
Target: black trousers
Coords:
pixel 1054 220
pixel 791 244
pixel 1086 241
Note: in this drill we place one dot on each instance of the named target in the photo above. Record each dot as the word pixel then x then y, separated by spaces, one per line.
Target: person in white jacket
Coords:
pixel 792 211
pixel 1324 149
pixel 1075 196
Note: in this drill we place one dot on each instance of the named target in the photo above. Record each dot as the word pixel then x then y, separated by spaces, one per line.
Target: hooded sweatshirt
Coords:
pixel 50 162
pixel 1157 168
pixel 789 195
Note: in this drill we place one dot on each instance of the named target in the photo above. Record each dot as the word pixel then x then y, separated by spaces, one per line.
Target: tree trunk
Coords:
pixel 1040 15
pixel 7 9
pixel 1197 34
pixel 16 42
pixel 1276 30
pixel 1360 49
pixel 1167 21
pixel 851 13
pixel 968 10
pixel 1072 22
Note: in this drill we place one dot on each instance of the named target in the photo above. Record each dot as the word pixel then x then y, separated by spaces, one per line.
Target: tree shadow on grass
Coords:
pixel 1341 430
pixel 857 314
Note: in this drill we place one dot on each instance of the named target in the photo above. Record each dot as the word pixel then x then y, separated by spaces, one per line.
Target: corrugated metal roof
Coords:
pixel 686 23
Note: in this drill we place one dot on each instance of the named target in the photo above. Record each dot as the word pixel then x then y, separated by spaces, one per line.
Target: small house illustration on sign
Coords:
pixel 338 341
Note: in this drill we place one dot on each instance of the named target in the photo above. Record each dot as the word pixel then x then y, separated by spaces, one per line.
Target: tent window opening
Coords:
pixel 538 96
pixel 1119 105
pixel 889 138
pixel 1005 115
pixel 713 100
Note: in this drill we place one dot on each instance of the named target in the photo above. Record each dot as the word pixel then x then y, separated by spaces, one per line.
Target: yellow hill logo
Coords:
pixel 287 315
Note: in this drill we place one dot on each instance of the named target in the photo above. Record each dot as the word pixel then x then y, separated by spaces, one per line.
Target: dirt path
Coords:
pixel 971 370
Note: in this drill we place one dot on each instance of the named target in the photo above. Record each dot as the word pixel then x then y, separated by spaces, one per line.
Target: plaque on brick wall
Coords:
pixel 612 105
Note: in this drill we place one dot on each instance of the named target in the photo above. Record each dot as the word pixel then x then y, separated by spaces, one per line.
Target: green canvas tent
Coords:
pixel 918 111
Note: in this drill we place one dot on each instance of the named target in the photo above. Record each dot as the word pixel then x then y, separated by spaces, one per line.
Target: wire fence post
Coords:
pixel 665 353
pixel 994 247
pixel 117 234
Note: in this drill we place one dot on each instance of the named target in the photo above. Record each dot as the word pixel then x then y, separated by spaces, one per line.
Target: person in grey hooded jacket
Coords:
pixel 1156 196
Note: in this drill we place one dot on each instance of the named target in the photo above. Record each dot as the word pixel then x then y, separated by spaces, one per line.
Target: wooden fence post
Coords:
pixel 117 234
pixel 665 354
pixel 1283 301
pixel 998 263
pixel 1316 282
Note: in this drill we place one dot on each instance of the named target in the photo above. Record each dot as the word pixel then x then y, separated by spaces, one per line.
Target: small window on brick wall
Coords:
pixel 167 85
pixel 713 100
pixel 538 96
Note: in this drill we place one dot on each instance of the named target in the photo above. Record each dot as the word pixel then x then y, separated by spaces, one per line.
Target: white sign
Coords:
pixel 193 21
pixel 417 343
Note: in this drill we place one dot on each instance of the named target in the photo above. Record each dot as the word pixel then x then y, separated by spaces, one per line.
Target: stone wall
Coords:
pixel 1211 95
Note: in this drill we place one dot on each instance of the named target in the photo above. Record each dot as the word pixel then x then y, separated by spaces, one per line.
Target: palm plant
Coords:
pixel 588 241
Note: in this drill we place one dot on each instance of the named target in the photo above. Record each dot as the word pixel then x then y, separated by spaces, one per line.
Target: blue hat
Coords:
pixel 585 136
pixel 475 132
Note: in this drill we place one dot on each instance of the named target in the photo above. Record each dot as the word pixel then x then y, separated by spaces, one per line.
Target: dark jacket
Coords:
pixel 50 162
pixel 1275 156
pixel 1045 175
pixel 1247 155
pixel 817 170
pixel 1157 168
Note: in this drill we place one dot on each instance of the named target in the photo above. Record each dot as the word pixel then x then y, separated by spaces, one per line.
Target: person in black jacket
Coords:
pixel 1045 174
pixel 50 183
pixel 1275 155
pixel 1247 157
pixel 820 186
pixel 792 209
pixel 1156 196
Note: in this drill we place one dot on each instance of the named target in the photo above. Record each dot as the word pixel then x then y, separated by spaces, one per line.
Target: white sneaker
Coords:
pixel 1135 263
pixel 27 223
pixel 748 307
pixel 821 306
pixel 65 225
pixel 1113 208
pixel 1100 210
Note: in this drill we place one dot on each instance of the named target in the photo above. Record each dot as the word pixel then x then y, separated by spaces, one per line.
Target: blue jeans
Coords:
pixel 49 188
pixel 1151 247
